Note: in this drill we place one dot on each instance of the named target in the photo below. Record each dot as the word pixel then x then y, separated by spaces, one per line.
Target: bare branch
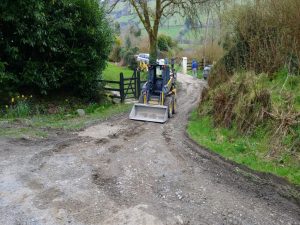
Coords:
pixel 151 17
pixel 140 15
pixel 145 9
pixel 113 6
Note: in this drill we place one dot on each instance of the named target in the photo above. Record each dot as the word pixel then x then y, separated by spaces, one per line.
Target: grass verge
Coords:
pixel 247 150
pixel 30 116
pixel 39 125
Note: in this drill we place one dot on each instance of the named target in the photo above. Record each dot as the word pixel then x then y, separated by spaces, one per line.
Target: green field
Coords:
pixel 112 72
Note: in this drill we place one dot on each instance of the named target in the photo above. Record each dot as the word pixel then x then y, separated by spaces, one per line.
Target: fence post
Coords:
pixel 122 88
pixel 138 85
pixel 134 77
pixel 184 65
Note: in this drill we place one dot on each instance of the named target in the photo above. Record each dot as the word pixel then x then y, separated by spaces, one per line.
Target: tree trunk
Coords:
pixel 205 39
pixel 153 49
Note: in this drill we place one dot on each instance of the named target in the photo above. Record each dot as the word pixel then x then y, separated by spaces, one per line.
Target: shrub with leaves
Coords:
pixel 115 55
pixel 128 55
pixel 164 42
pixel 52 45
pixel 262 36
pixel 249 103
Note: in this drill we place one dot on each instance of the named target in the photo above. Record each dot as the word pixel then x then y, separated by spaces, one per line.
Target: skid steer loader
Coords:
pixel 157 101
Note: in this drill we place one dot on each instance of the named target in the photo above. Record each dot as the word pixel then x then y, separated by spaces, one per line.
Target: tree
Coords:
pixel 48 46
pixel 151 16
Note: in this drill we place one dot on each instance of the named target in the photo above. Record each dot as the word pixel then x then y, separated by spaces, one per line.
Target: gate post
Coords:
pixel 138 84
pixel 122 88
pixel 184 65
pixel 135 82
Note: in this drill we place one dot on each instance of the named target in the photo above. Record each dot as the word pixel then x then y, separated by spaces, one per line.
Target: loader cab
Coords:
pixel 159 76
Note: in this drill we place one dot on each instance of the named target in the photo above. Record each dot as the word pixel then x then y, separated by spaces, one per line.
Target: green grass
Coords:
pixel 18 120
pixel 17 132
pixel 254 150
pixel 283 85
pixel 112 72
pixel 249 151
pixel 39 125
pixel 20 109
pixel 75 122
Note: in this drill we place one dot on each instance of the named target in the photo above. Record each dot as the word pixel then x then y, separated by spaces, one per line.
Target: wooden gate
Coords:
pixel 129 88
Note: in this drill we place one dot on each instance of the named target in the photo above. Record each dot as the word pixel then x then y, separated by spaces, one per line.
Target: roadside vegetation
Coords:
pixel 51 62
pixel 131 42
pixel 251 113
pixel 248 120
pixel 66 119
pixel 28 115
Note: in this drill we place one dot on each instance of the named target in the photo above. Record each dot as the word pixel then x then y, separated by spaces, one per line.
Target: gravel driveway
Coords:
pixel 134 173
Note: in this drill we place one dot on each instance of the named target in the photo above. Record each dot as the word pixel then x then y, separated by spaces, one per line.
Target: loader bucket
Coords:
pixel 151 113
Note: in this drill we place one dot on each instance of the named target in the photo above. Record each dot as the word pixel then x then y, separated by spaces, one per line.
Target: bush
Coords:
pixel 52 45
pixel 115 55
pixel 164 42
pixel 260 37
pixel 249 102
pixel 244 101
pixel 128 55
pixel 263 37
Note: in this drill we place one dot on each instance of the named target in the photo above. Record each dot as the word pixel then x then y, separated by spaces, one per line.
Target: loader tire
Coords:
pixel 141 99
pixel 174 105
pixel 169 104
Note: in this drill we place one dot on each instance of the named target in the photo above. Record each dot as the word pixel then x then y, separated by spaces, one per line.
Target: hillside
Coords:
pixel 176 26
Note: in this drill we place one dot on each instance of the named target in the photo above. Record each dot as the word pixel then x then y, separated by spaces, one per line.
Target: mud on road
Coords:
pixel 135 173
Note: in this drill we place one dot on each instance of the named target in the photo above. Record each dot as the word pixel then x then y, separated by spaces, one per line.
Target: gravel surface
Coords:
pixel 135 173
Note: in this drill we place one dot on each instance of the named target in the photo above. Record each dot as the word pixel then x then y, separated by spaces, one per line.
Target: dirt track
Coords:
pixel 135 173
